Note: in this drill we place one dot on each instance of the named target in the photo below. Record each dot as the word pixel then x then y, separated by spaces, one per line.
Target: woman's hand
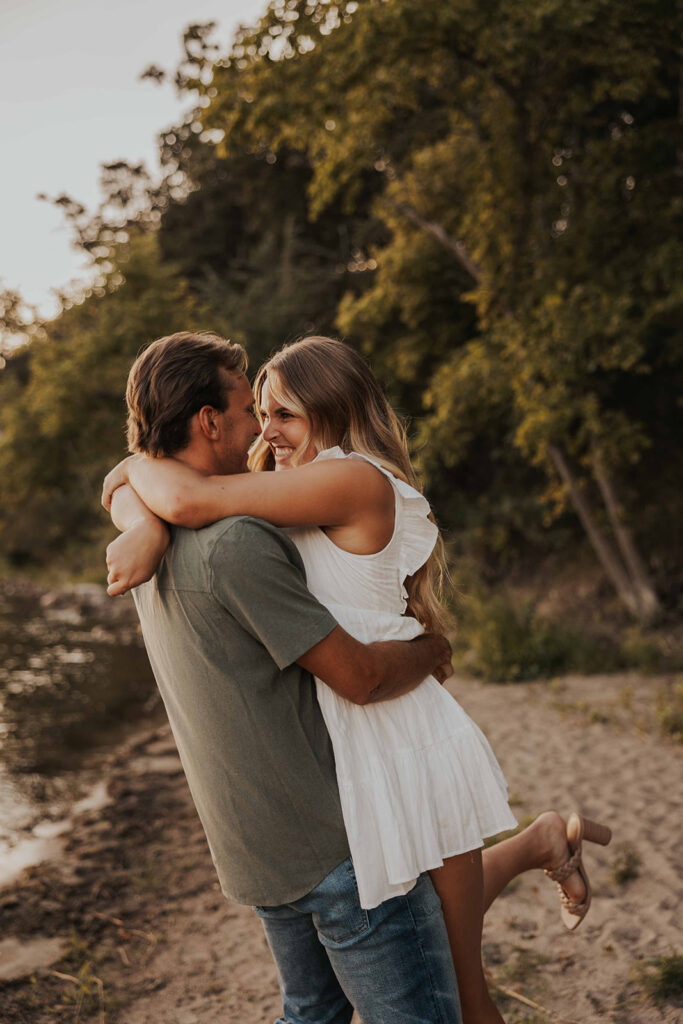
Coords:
pixel 134 556
pixel 116 478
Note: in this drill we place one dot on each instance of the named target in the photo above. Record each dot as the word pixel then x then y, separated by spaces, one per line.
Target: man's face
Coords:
pixel 239 426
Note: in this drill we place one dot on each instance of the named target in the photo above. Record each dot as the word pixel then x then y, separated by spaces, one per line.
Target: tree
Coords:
pixel 62 412
pixel 548 175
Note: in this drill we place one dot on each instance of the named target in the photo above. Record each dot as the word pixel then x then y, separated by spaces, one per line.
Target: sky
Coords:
pixel 70 100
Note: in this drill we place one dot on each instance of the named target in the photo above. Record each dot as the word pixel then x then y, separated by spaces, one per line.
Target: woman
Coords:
pixel 419 785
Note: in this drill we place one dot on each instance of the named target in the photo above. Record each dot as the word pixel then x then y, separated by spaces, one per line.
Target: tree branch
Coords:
pixel 440 235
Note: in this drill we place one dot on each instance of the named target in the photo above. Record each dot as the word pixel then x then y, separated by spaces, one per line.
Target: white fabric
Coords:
pixel 417 778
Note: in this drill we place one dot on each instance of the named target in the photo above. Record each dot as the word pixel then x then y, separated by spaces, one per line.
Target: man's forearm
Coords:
pixel 366 673
pixel 402 665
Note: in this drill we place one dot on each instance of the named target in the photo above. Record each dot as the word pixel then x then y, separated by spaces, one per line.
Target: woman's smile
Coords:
pixel 281 452
pixel 284 430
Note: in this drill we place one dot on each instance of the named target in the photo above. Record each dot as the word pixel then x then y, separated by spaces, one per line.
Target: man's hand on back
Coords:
pixel 444 653
pixel 367 673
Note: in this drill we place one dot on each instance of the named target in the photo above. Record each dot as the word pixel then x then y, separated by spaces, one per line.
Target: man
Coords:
pixel 234 639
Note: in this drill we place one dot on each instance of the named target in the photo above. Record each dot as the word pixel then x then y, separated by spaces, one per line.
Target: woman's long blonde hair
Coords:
pixel 331 386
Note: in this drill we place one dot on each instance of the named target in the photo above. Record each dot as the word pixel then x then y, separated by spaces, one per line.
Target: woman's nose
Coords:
pixel 268 432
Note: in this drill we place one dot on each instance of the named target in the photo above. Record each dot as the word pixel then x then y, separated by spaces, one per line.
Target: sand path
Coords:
pixel 137 892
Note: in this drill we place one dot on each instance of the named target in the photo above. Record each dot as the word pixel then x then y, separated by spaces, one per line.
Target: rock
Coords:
pixel 87 601
pixel 21 957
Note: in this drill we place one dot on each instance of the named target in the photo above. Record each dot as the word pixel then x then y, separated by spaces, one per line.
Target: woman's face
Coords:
pixel 285 431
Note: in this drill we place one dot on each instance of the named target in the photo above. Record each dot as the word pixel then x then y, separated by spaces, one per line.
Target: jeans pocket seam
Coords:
pixel 363 927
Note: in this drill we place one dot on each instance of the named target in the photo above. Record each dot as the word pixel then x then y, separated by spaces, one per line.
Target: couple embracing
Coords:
pixel 293 624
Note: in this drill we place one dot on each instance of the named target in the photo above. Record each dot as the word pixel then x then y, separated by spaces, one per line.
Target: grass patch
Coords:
pixel 626 864
pixel 662 978
pixel 521 978
pixel 591 714
pixel 670 711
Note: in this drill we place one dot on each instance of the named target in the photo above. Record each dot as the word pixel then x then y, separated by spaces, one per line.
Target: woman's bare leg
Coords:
pixel 468 884
pixel 460 886
pixel 543 844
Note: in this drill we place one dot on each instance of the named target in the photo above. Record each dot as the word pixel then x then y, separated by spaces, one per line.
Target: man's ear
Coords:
pixel 207 421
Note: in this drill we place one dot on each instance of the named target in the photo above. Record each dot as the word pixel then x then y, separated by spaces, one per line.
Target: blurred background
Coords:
pixel 483 197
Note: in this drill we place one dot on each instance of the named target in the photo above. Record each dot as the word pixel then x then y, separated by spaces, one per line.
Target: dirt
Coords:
pixel 128 925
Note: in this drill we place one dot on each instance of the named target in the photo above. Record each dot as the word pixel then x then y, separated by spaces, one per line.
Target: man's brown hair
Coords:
pixel 170 381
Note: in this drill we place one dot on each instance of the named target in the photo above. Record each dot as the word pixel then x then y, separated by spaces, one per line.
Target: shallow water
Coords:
pixel 74 679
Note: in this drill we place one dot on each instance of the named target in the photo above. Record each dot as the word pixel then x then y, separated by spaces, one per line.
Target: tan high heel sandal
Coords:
pixel 578 829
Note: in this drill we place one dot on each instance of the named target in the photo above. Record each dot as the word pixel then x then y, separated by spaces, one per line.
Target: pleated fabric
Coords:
pixel 418 780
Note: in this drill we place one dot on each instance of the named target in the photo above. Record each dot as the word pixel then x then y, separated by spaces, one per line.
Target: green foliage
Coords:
pixel 502 639
pixel 670 711
pixel 63 412
pixel 507 643
pixel 483 198
pixel 662 978
pixel 626 864
pixel 554 169
pixel 639 650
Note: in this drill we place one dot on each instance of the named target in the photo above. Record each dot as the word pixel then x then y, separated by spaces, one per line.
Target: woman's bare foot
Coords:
pixel 550 832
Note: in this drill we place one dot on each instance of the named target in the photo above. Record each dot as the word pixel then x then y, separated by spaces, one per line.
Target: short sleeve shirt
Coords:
pixel 224 621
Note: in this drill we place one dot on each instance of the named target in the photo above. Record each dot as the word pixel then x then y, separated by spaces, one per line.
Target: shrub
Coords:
pixel 509 644
pixel 670 711
pixel 626 864
pixel 662 978
pixel 503 640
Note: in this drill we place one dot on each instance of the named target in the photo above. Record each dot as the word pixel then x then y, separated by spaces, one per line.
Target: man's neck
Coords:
pixel 203 458
pixel 202 461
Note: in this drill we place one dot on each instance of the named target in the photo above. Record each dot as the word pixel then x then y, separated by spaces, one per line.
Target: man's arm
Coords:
pixel 367 673
pixel 257 575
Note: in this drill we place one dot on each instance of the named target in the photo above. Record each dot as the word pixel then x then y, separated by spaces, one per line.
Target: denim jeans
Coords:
pixel 393 963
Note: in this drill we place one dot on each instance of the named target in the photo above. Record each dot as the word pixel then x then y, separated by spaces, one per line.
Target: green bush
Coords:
pixel 670 711
pixel 626 864
pixel 662 978
pixel 508 644
pixel 503 640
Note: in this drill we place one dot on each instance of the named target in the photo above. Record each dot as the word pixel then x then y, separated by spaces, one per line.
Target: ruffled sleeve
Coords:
pixel 414 534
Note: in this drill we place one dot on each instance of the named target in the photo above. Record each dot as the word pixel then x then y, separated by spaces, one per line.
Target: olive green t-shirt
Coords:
pixel 224 621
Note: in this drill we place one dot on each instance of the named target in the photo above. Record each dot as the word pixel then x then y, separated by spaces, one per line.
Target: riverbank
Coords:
pixel 129 926
pixel 74 682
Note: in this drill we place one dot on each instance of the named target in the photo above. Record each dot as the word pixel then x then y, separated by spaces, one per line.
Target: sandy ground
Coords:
pixel 129 926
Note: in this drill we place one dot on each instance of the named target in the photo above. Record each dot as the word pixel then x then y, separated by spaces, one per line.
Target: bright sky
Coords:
pixel 70 100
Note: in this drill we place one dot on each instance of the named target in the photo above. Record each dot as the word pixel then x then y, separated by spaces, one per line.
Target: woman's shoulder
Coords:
pixel 361 472
pixel 360 463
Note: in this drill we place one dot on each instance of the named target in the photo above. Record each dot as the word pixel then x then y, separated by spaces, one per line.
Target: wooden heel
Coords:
pixel 596 833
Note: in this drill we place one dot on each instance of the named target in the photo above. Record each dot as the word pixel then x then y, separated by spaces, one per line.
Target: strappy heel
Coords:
pixel 578 829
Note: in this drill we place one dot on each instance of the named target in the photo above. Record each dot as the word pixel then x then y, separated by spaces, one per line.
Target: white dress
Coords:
pixel 418 780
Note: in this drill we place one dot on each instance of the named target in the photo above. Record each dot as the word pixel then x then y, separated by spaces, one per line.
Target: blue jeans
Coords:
pixel 393 963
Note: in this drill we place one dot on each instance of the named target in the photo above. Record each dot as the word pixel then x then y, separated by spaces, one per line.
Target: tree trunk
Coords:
pixel 644 591
pixel 609 559
pixel 679 148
